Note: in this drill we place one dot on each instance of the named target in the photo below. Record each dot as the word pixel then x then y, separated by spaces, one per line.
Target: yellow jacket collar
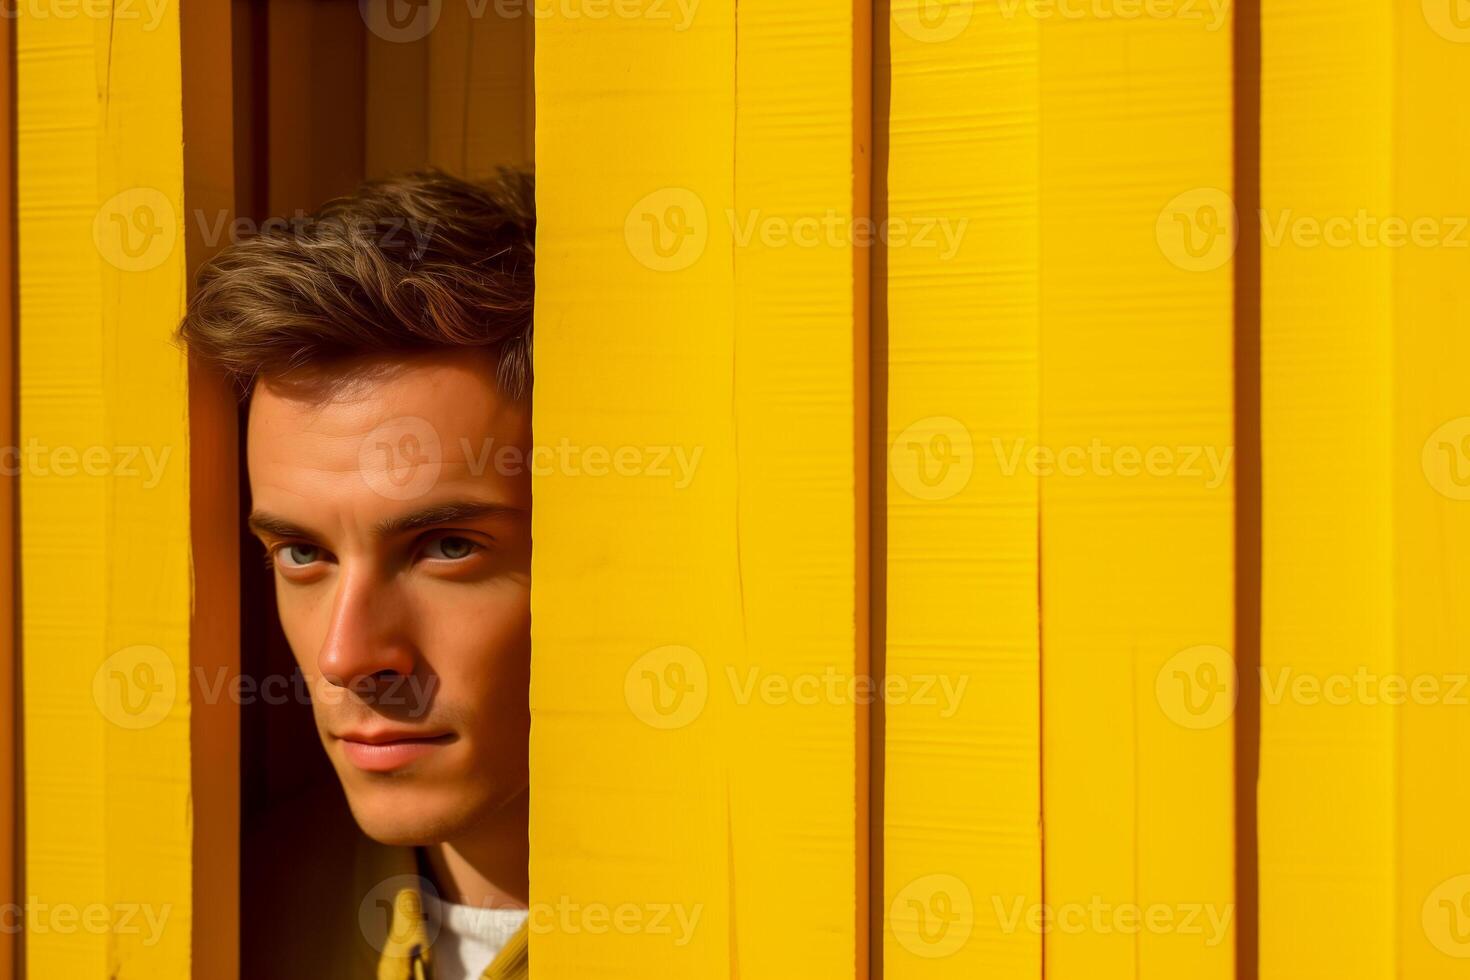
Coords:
pixel 392 874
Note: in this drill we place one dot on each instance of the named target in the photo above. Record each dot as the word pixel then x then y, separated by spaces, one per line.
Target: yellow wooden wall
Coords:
pixel 1364 419
pixel 1269 416
pixel 1060 462
pixel 105 560
pixel 961 766
pixel 683 759
pixel 457 96
pixel 1327 822
pixel 1136 543
pixel 1431 411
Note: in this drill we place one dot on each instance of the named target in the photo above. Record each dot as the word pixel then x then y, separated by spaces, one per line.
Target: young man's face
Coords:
pixel 397 513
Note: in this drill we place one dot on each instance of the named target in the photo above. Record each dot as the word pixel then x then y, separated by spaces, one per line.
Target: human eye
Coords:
pixel 297 555
pixel 450 547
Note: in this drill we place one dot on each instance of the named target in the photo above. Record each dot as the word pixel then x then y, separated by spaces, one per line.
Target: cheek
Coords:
pixel 480 649
pixel 303 627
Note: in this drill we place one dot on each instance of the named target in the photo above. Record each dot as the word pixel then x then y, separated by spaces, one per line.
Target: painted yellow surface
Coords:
pixel 695 742
pixel 1431 487
pixel 104 508
pixel 1137 502
pixel 1367 473
pixel 961 830
pixel 1053 386
pixel 1326 804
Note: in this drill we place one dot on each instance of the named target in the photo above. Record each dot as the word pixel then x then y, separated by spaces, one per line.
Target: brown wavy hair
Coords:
pixel 417 262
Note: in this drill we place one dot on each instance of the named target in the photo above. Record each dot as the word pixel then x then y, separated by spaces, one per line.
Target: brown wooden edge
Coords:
pixel 11 812
pixel 209 106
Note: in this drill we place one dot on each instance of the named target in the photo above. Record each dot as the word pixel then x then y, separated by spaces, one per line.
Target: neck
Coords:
pixel 486 868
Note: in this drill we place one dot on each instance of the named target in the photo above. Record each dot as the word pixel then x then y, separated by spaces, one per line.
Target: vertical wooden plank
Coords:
pixel 316 51
pixel 396 112
pixel 1326 799
pixel 1432 494
pixel 962 813
pixel 451 87
pixel 477 74
pixel 1136 493
pixel 799 370
pixel 691 617
pixel 104 497
pixel 617 364
pixel 210 76
pixel 528 90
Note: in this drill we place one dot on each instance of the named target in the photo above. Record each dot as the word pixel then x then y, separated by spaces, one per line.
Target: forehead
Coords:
pixel 393 435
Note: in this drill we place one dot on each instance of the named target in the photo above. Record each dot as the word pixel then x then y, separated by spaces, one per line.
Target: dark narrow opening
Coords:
pixel 299 139
pixel 1247 355
pixel 878 484
pixel 13 885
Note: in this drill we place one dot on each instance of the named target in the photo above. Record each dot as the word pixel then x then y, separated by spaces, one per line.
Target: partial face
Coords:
pixel 397 517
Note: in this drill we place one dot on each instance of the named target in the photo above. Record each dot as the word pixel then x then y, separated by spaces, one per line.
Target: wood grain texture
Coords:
pixel 210 75
pixel 104 502
pixel 660 774
pixel 1326 802
pixel 1137 500
pixel 1431 489
pixel 960 375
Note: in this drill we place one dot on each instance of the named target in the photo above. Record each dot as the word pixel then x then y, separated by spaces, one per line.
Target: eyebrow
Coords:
pixel 262 523
pixel 450 512
pixel 447 513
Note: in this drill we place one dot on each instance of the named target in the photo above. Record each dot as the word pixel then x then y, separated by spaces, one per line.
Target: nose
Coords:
pixel 366 641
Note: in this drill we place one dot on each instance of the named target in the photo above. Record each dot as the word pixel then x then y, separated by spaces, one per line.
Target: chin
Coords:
pixel 407 813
